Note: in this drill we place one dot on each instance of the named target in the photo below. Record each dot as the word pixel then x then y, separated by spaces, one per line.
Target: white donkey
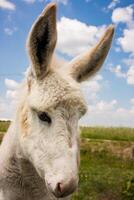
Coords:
pixel 39 155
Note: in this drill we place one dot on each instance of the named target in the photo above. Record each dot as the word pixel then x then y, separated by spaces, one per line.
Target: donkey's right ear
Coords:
pixel 42 40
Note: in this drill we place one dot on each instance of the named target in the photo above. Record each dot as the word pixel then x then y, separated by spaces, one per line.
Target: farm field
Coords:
pixel 107 163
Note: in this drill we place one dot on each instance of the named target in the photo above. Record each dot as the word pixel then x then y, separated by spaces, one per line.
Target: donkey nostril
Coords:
pixel 59 187
pixel 62 189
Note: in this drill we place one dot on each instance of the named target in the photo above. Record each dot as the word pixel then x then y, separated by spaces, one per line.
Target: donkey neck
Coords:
pixel 22 178
pixel 18 177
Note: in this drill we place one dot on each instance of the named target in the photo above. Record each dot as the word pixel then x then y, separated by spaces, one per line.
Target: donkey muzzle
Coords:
pixel 63 189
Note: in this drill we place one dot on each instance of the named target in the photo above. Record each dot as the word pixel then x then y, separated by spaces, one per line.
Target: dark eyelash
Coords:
pixel 43 116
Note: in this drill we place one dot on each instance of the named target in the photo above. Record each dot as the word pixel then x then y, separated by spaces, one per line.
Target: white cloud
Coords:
pixel 127 40
pixel 129 61
pixel 88 1
pixel 117 49
pixel 2 105
pixel 124 15
pixel 7 108
pixel 11 84
pixel 9 101
pixel 11 94
pixel 118 71
pixel 10 31
pixel 63 1
pixel 12 91
pixel 29 1
pixel 113 4
pixel 47 1
pixel 103 106
pixel 91 88
pixel 132 101
pixel 130 75
pixel 58 1
pixel 4 4
pixel 33 1
pixel 104 113
pixel 93 84
pixel 75 36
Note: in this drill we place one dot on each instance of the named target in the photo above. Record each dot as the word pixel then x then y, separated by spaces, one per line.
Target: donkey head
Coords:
pixel 54 104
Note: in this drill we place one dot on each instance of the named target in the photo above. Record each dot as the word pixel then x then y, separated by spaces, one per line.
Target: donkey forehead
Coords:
pixel 54 91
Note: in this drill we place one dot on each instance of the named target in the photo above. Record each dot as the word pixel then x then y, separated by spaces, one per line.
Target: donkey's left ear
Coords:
pixel 42 40
pixel 86 65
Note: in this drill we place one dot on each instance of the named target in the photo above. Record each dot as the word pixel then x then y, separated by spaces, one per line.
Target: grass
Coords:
pixel 103 176
pixel 102 133
pixel 106 167
pixel 4 126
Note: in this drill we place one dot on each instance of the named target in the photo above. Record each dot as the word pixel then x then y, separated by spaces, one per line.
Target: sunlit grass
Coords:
pixel 123 134
pixel 103 176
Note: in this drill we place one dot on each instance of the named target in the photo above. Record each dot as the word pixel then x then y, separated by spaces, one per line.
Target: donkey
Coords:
pixel 39 155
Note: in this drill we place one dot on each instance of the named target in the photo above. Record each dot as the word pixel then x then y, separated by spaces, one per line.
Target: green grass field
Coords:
pixel 118 134
pixel 103 175
pixel 107 163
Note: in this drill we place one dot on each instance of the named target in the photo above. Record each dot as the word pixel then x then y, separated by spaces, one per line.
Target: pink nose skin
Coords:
pixel 63 190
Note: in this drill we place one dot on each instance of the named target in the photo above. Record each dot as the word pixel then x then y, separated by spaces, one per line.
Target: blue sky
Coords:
pixel 110 94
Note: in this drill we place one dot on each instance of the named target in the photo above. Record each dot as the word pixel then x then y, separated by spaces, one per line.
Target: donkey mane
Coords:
pixel 39 155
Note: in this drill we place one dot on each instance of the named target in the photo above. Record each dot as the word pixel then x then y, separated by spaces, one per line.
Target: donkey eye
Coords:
pixel 43 116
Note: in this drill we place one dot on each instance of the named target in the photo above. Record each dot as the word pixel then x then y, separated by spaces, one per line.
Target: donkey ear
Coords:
pixel 42 40
pixel 86 65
